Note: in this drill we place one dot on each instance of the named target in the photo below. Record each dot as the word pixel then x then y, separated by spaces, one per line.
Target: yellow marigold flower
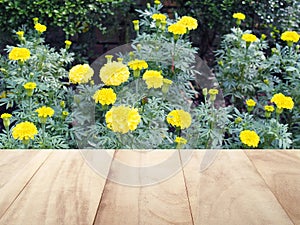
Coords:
pixel 249 37
pixel 180 140
pixel 65 113
pixel 20 33
pixel 177 29
pixel 24 131
pixel 30 85
pixel 167 81
pixel 213 91
pixel 153 79
pixel 35 20
pixel 189 22
pixel 40 28
pixel 67 42
pixel 136 25
pixel 122 119
pixel 249 138
pixel 6 120
pixel 179 118
pixel 6 116
pixel 156 2
pixel 269 108
pixel 22 54
pixel 290 36
pixel 105 96
pixel 250 103
pixel 81 74
pixel 239 16
pixel 44 112
pixel 166 85
pixel 282 101
pixel 138 64
pixel 114 73
pixel 159 16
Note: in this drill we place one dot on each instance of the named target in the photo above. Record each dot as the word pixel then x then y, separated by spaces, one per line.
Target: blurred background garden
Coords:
pixel 94 27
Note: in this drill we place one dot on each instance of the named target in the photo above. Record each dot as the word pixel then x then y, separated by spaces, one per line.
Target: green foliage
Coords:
pixel 239 65
pixel 248 72
pixel 175 58
pixel 277 16
pixel 72 16
pixel 45 67
pixel 284 66
pixel 273 135
pixel 270 17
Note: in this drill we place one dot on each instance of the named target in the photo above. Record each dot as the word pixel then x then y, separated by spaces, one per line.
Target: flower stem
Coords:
pixel 43 134
pixel 7 132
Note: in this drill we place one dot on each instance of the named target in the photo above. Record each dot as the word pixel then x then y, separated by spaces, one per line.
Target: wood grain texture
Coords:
pixel 12 162
pixel 281 172
pixel 70 188
pixel 16 169
pixel 231 192
pixel 159 204
pixel 64 191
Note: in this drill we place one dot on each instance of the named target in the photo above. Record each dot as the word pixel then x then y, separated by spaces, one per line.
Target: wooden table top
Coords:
pixel 239 188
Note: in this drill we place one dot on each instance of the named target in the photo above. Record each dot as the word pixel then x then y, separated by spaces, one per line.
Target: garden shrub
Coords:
pixel 145 95
pixel 270 17
pixel 72 16
pixel 246 72
pixel 34 76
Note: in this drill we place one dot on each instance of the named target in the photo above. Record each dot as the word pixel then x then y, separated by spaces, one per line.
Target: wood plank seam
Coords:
pixel 269 188
pixel 21 190
pixel 103 190
pixel 186 188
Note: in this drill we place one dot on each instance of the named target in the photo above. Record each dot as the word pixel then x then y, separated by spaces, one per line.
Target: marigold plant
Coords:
pixel 114 73
pixel 290 36
pixel 21 54
pixel 45 112
pixel 153 79
pixel 105 96
pixel 240 16
pixel 40 27
pixel 122 119
pixel 81 74
pixel 249 37
pixel 282 101
pixel 179 118
pixel 24 131
pixel 177 29
pixel 189 22
pixel 249 138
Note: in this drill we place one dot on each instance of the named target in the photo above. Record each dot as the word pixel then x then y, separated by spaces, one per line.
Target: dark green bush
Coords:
pixel 271 17
pixel 73 16
pixel 78 20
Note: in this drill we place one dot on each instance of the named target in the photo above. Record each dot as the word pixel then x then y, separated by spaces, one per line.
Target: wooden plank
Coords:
pixel 281 172
pixel 231 192
pixel 12 162
pixel 16 169
pixel 65 190
pixel 163 202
